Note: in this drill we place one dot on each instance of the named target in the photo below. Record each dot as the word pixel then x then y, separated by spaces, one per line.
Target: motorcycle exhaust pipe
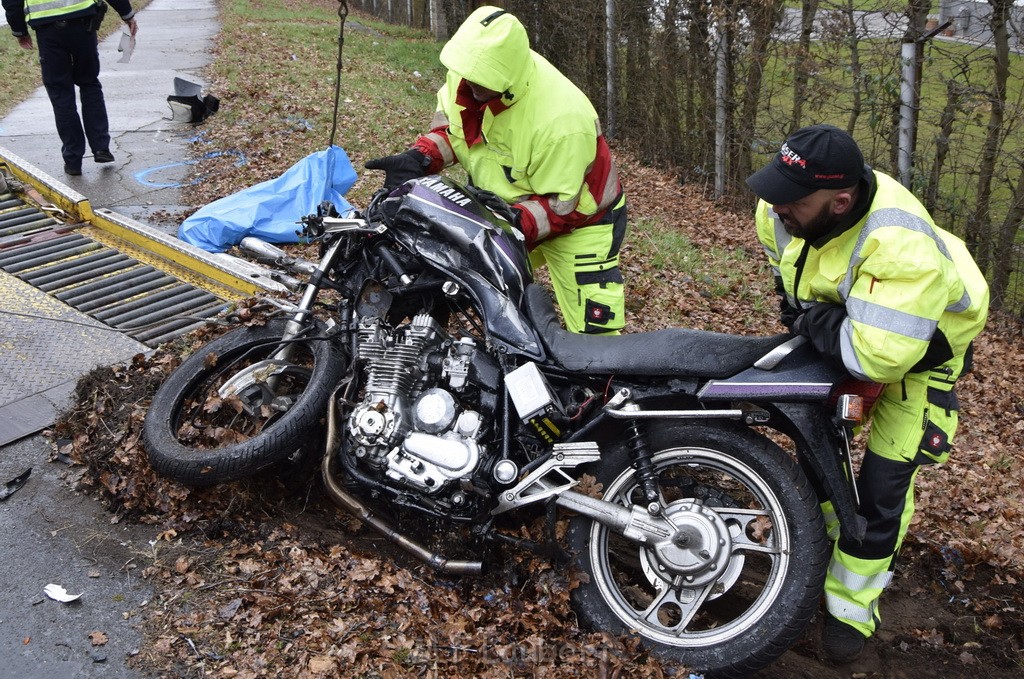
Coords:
pixel 347 501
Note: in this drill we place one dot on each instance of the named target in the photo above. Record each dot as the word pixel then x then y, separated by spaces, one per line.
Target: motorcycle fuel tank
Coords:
pixel 443 222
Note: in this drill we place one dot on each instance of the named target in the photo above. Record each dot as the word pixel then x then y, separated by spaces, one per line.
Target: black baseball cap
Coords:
pixel 812 158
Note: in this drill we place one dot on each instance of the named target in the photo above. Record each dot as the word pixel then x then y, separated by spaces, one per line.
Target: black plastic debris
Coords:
pixel 188 103
pixel 15 484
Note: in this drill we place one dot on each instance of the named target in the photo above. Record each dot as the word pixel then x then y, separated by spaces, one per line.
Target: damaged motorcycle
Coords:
pixel 432 374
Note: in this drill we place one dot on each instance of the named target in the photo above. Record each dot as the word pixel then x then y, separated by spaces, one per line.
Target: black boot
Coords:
pixel 842 642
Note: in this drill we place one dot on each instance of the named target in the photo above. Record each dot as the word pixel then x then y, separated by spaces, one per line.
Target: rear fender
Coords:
pixel 823 452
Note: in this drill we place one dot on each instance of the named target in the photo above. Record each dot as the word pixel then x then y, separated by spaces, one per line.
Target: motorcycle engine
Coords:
pixel 419 423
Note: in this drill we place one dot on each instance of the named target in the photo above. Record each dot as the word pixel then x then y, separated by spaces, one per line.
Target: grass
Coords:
pixel 388 82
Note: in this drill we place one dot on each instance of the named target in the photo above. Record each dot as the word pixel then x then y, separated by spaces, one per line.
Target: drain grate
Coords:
pixel 141 301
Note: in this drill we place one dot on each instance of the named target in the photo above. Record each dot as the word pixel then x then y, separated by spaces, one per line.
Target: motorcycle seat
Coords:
pixel 674 352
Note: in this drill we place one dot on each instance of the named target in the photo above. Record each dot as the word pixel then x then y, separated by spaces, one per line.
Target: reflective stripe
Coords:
pixel 54 8
pixel 850 359
pixel 879 316
pixel 440 122
pixel 564 207
pixel 858 582
pixel 447 156
pixel 610 192
pixel 885 217
pixel 844 610
pixel 782 237
pixel 440 119
pixel 539 216
pixel 962 304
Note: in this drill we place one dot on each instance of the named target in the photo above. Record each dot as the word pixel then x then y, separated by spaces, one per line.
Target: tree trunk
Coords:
pixel 954 94
pixel 438 22
pixel 1007 251
pixel 808 10
pixel 979 238
pixel 853 43
pixel 763 20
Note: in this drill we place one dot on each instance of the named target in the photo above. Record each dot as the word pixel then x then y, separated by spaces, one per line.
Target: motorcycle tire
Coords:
pixel 195 436
pixel 741 579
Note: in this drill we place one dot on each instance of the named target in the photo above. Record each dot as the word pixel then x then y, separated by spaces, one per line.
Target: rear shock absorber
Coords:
pixel 640 455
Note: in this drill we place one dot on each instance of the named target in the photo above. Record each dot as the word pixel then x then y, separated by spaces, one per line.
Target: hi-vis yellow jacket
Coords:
pixel 44 9
pixel 36 13
pixel 913 295
pixel 538 146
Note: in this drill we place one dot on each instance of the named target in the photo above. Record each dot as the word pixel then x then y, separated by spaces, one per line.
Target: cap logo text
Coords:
pixel 791 157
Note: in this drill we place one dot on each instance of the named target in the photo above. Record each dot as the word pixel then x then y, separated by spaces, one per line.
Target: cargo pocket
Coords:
pixel 942 417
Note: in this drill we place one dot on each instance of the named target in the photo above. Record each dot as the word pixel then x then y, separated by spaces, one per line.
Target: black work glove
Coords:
pixel 496 205
pixel 400 167
pixel 789 316
pixel 823 324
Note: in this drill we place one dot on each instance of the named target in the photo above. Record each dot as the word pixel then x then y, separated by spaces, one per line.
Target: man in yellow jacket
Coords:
pixel 865 274
pixel 526 133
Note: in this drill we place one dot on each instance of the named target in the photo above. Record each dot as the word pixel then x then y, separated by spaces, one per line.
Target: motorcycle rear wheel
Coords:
pixel 200 435
pixel 744 579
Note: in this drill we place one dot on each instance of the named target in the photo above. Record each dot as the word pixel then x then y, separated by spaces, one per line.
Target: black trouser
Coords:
pixel 69 57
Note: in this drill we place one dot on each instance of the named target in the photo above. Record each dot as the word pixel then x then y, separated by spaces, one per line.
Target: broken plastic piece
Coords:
pixel 58 593
pixel 15 484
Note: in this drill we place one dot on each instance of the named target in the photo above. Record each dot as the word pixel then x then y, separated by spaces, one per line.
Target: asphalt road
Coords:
pixel 51 534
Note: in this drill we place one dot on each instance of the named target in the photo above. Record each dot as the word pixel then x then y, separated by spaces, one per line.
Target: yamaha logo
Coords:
pixel 442 189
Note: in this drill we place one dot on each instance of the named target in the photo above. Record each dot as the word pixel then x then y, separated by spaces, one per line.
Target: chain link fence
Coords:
pixel 710 88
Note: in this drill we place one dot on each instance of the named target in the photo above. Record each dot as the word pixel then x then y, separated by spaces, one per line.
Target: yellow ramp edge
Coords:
pixel 221 274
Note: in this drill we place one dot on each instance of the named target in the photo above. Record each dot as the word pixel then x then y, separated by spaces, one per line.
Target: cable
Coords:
pixel 342 14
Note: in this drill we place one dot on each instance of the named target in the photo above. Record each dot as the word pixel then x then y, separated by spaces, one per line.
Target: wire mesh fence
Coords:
pixel 710 88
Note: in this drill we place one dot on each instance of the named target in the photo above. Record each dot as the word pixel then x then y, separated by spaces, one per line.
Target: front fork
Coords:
pixel 300 320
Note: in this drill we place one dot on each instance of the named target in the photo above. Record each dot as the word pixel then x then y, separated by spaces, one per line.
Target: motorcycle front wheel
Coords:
pixel 236 406
pixel 742 576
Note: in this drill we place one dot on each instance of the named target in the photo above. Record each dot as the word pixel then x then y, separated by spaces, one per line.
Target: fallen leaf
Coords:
pixel 98 638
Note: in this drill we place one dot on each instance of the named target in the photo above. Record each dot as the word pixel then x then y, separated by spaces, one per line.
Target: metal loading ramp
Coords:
pixel 81 288
pixel 147 304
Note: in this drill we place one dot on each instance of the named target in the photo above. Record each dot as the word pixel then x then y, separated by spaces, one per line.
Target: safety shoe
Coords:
pixel 73 170
pixel 104 156
pixel 842 642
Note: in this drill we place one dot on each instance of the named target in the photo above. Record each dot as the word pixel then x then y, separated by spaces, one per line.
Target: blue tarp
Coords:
pixel 271 210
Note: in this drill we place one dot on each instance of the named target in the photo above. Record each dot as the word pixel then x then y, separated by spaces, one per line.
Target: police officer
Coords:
pixel 865 274
pixel 526 133
pixel 68 56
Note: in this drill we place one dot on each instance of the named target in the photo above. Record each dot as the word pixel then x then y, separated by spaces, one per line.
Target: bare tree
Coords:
pixel 808 11
pixel 763 18
pixel 979 225
pixel 1007 251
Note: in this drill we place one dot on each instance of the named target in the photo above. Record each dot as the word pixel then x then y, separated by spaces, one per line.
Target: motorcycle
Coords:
pixel 434 375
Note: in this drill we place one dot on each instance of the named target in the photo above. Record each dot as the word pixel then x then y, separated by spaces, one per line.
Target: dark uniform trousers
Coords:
pixel 69 56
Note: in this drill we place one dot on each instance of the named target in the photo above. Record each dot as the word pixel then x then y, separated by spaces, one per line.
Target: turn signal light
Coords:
pixel 850 410
pixel 854 400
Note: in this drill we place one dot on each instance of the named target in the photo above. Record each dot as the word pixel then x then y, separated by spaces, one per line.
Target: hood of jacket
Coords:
pixel 492 49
